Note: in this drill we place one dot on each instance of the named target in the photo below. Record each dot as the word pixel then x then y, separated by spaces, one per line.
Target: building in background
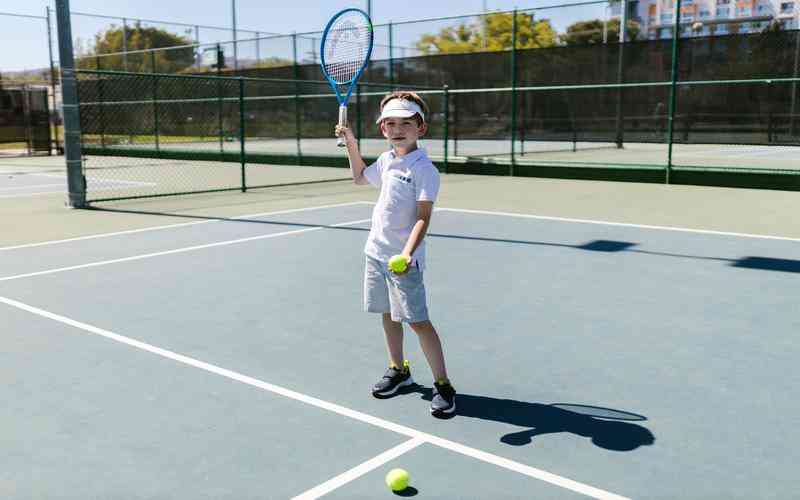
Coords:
pixel 711 17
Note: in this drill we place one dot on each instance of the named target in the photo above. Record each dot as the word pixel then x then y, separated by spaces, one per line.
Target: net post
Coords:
pixel 242 134
pixel 446 131
pixel 153 61
pixel 513 92
pixel 676 33
pixel 76 182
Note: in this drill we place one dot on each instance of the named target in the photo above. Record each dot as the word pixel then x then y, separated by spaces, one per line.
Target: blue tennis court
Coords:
pixel 228 357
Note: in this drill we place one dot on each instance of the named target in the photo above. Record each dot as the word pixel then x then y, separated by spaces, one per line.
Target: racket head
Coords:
pixel 346 47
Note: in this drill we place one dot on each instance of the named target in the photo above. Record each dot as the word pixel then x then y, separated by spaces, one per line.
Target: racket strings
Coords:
pixel 346 47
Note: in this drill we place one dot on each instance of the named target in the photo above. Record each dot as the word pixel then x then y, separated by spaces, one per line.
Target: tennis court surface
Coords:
pixel 606 341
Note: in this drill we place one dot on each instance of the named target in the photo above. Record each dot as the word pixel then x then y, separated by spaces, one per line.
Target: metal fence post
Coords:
pixel 125 43
pixel 297 122
pixel 455 125
pixel 793 105
pixel 513 92
pixel 621 70
pixel 445 131
pixel 53 78
pixel 219 94
pixel 359 123
pixel 235 42
pixel 26 111
pixel 391 56
pixel 101 96
pixel 242 133
pixel 76 182
pixel 676 33
pixel 155 112
pixel 258 47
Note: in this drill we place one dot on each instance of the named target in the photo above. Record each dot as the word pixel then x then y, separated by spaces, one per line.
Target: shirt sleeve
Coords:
pixel 373 173
pixel 428 186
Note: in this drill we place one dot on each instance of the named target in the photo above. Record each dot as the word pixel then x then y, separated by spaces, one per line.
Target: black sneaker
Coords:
pixel 392 381
pixel 443 402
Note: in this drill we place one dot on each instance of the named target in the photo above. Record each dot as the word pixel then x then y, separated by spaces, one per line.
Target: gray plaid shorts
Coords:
pixel 401 295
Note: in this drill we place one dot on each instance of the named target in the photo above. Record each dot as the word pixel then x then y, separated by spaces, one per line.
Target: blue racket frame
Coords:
pixel 344 99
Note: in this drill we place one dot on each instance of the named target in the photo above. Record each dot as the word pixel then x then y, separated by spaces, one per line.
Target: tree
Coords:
pixel 139 38
pixel 492 33
pixel 591 32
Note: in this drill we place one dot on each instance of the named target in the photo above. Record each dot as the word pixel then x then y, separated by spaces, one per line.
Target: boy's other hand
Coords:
pixel 345 132
pixel 409 262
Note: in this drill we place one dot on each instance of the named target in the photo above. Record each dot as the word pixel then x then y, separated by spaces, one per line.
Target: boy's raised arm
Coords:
pixel 357 164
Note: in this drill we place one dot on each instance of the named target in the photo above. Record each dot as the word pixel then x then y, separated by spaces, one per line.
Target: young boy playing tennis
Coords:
pixel 409 184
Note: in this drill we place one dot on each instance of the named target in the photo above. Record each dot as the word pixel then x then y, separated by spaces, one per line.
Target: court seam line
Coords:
pixel 169 226
pixel 481 455
pixel 178 250
pixel 622 224
pixel 359 470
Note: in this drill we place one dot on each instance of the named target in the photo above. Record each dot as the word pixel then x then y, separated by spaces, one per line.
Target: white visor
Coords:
pixel 400 108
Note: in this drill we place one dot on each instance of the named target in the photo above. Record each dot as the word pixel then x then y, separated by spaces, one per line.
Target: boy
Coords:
pixel 409 184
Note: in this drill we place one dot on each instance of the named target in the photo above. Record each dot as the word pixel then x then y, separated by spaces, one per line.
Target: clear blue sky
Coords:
pixel 25 40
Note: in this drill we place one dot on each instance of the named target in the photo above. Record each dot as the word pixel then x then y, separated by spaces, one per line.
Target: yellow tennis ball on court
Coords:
pixel 397 479
pixel 398 263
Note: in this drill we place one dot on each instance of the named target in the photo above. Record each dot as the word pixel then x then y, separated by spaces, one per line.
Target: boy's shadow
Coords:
pixel 605 427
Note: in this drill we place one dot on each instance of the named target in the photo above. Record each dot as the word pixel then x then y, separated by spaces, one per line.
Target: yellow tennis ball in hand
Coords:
pixel 397 479
pixel 398 263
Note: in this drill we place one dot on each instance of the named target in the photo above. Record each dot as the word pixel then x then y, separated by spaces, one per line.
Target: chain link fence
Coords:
pixel 541 92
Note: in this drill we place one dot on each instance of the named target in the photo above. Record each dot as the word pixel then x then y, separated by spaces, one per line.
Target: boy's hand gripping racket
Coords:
pixel 345 50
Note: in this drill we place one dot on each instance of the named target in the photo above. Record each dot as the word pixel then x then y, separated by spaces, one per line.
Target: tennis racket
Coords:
pixel 344 53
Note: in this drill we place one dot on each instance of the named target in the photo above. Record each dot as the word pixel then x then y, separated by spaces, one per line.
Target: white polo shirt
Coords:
pixel 403 182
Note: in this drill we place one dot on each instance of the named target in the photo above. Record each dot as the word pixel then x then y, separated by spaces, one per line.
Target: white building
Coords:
pixel 715 17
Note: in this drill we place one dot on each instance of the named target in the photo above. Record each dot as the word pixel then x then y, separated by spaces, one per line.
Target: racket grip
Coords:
pixel 343 123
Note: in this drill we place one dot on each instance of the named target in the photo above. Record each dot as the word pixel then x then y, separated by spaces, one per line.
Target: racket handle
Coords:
pixel 343 123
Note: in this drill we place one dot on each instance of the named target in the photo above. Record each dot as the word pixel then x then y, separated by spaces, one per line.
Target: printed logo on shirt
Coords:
pixel 403 178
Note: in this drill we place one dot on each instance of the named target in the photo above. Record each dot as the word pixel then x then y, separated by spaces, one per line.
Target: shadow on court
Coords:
pixel 601 246
pixel 606 428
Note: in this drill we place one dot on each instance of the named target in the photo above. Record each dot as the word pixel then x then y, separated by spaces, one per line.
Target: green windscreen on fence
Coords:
pixel 580 109
pixel 24 120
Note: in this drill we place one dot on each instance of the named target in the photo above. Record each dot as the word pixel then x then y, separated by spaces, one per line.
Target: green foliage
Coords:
pixel 111 41
pixel 591 32
pixel 492 33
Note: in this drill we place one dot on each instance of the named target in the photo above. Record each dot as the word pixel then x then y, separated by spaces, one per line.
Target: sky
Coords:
pixel 25 40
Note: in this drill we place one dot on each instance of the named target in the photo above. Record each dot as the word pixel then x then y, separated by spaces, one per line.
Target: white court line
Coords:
pixel 23 195
pixel 359 470
pixel 621 224
pixel 178 250
pixel 533 472
pixel 16 188
pixel 170 226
